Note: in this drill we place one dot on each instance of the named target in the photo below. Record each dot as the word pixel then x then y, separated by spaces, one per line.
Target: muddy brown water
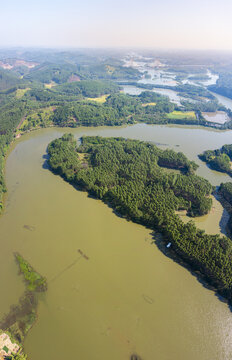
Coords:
pixel 128 297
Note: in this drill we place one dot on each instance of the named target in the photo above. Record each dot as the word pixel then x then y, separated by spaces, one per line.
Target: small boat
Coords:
pixel 169 244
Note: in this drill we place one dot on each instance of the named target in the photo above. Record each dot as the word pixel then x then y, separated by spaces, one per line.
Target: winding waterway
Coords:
pixel 160 77
pixel 173 95
pixel 128 297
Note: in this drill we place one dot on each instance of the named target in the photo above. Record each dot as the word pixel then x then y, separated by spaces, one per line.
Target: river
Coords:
pixel 128 297
pixel 173 95
pixel 160 77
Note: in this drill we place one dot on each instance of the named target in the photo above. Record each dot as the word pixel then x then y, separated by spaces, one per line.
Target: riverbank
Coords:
pixel 121 256
pixel 21 317
pixel 3 195
pixel 56 116
pixel 5 149
pixel 146 201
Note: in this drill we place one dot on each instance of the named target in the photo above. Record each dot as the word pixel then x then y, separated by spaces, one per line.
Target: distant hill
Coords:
pixel 10 63
pixel 223 85
pixel 8 80
pixel 48 72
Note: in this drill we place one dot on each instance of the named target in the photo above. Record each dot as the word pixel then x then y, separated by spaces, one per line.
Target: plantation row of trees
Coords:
pixel 219 159
pixel 126 174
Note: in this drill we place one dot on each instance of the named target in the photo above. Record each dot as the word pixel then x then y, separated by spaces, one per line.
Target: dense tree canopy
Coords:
pixel 88 88
pixel 126 174
pixel 219 159
pixel 225 192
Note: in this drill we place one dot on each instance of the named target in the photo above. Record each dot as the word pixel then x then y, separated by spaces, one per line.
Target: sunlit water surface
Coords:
pixel 128 297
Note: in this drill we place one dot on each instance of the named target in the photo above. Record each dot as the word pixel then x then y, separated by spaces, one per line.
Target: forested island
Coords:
pixel 83 103
pixel 219 159
pixel 130 176
pixel 42 89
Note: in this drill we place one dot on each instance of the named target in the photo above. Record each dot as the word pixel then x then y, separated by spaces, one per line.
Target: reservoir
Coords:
pixel 128 297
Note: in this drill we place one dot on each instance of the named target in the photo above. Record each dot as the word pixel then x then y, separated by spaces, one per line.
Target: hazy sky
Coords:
pixel 199 24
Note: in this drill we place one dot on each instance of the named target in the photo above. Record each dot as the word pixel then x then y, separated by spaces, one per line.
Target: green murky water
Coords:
pixel 128 297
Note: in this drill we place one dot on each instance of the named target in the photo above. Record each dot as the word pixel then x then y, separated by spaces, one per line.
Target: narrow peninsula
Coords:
pixel 219 159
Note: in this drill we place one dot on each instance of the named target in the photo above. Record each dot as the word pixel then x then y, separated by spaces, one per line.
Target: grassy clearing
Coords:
pixel 100 99
pixel 38 118
pixel 182 115
pixel 83 157
pixel 110 69
pixel 149 104
pixel 50 85
pixel 24 124
pixel 20 92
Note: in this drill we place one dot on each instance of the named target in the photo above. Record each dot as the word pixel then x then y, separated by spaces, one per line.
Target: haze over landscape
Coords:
pixel 115 180
pixel 158 24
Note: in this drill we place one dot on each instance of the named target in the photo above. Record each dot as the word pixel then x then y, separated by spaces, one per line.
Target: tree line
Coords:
pixel 219 159
pixel 127 174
